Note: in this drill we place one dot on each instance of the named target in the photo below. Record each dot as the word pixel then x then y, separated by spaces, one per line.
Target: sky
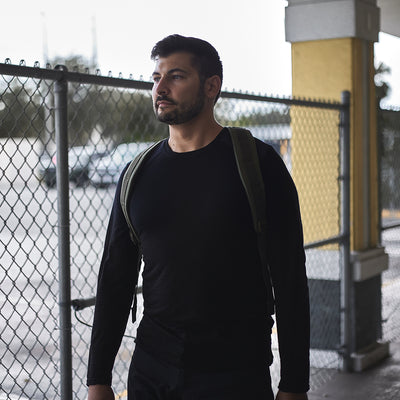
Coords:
pixel 249 35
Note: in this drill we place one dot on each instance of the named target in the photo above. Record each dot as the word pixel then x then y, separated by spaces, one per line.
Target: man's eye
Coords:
pixel 156 79
pixel 177 77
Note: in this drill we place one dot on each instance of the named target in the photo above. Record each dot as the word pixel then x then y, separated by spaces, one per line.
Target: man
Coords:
pixel 205 333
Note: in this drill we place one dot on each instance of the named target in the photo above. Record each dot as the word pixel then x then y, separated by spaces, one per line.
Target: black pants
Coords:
pixel 150 379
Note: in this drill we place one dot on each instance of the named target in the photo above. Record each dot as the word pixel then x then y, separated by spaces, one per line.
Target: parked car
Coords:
pixel 106 171
pixel 79 158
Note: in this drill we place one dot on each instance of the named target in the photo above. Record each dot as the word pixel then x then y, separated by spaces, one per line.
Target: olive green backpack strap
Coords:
pixel 244 147
pixel 126 187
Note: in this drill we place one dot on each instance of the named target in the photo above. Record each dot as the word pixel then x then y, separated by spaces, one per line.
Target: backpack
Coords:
pixel 247 161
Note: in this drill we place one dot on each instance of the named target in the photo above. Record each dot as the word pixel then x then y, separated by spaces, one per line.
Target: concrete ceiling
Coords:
pixel 390 16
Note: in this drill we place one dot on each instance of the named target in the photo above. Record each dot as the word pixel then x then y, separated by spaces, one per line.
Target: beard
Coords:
pixel 182 113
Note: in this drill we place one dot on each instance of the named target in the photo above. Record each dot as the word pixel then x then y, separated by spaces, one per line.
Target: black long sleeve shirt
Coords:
pixel 205 301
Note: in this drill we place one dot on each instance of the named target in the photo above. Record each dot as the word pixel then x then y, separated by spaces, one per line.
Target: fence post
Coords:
pixel 62 174
pixel 346 277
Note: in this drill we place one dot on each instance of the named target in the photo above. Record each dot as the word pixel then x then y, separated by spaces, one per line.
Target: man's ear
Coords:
pixel 212 86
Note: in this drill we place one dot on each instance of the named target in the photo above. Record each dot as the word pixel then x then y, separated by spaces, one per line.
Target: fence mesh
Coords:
pixel 389 135
pixel 102 120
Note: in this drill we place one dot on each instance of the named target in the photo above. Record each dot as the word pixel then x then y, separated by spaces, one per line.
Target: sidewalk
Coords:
pixel 381 382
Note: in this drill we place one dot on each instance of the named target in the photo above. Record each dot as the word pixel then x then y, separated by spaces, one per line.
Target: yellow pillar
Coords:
pixel 322 69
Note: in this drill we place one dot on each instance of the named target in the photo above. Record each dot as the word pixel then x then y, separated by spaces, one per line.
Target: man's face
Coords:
pixel 177 91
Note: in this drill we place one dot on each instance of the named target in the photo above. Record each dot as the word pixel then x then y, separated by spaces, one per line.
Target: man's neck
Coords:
pixel 192 136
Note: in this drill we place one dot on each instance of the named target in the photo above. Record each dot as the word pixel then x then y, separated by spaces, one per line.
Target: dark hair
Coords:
pixel 205 57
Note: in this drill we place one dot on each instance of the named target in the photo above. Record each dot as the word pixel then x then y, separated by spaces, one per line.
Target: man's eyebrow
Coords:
pixel 171 71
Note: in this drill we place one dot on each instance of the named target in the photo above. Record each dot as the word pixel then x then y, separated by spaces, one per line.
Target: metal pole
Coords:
pixel 61 128
pixel 346 280
pixel 379 147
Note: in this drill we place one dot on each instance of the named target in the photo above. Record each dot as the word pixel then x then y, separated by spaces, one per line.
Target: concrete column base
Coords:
pixel 369 356
pixel 369 263
pixel 366 309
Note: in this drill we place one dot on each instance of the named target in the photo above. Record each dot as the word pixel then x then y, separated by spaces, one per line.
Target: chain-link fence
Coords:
pixel 389 145
pixel 54 212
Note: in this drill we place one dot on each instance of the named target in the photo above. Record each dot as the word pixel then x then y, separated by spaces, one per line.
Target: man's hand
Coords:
pixel 291 396
pixel 100 392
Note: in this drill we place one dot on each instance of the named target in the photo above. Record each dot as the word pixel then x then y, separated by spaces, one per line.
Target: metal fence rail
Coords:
pixel 63 139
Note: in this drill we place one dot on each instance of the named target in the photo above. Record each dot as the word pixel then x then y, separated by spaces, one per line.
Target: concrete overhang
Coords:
pixel 390 16
pixel 331 19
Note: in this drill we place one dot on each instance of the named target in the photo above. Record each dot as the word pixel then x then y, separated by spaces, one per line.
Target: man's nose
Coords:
pixel 162 86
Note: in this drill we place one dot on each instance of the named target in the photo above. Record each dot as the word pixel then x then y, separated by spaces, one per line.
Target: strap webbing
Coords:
pixel 250 173
pixel 248 164
pixel 127 186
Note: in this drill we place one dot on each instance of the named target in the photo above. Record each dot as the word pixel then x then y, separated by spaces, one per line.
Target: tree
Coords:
pixel 95 112
pixel 382 88
pixel 19 114
pixel 233 113
pixel 388 126
pixel 111 114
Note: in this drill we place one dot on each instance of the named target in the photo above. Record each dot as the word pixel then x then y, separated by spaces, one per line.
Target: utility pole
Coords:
pixel 94 42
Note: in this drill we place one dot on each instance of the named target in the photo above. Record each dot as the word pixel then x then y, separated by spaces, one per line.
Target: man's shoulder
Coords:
pixel 154 149
pixel 271 162
pixel 265 149
pixel 267 153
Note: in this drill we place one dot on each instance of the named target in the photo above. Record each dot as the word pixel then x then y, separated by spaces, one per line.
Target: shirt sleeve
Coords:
pixel 117 280
pixel 286 258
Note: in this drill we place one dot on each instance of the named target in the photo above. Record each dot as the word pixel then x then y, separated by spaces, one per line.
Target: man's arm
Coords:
pixel 115 290
pixel 290 396
pixel 100 392
pixel 286 260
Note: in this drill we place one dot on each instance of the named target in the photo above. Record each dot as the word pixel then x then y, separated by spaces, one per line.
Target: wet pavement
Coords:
pixel 381 382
